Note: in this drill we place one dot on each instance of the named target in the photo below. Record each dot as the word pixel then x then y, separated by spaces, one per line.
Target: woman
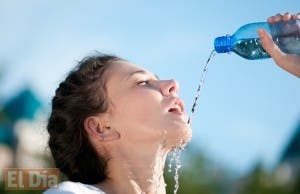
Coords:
pixel 288 62
pixel 112 126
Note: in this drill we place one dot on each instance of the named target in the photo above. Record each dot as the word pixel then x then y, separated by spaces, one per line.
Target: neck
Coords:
pixel 138 170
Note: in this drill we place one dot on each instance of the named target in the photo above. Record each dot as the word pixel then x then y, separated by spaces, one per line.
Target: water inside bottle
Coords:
pixel 250 49
pixel 289 45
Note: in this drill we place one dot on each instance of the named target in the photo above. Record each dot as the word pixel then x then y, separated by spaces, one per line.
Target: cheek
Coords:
pixel 141 106
pixel 139 113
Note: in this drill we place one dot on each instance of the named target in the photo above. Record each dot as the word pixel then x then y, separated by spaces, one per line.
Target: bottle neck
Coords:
pixel 223 44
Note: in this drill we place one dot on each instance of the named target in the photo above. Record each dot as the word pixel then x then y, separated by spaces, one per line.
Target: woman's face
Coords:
pixel 145 109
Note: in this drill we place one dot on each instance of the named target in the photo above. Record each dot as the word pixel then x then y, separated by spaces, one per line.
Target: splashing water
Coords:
pixel 175 158
pixel 177 166
pixel 204 72
pixel 171 160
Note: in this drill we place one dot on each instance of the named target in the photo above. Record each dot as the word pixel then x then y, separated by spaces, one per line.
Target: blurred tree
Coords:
pixel 259 181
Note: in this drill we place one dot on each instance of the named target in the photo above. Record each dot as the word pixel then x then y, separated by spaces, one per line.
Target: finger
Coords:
pixel 287 16
pixel 278 17
pixel 269 45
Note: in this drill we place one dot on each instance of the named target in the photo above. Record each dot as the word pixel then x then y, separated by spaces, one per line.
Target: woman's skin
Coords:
pixel 139 129
pixel 288 62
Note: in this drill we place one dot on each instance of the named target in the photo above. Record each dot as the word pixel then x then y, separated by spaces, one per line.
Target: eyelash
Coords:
pixel 144 82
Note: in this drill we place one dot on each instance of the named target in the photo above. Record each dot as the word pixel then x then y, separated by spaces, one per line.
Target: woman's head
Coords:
pixel 108 103
pixel 144 109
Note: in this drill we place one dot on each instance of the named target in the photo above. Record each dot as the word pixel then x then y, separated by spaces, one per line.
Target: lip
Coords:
pixel 176 106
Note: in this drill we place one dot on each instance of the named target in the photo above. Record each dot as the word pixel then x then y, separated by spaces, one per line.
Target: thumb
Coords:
pixel 269 45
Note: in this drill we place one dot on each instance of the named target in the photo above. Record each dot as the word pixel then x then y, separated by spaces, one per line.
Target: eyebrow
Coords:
pixel 141 72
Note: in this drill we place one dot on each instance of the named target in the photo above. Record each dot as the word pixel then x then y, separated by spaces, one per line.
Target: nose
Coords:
pixel 169 87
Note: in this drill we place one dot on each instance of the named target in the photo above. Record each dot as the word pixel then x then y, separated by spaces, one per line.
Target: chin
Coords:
pixel 185 137
pixel 179 136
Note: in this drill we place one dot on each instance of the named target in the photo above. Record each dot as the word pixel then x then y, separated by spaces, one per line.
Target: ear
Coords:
pixel 99 130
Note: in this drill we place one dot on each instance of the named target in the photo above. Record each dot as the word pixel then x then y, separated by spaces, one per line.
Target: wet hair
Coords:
pixel 82 94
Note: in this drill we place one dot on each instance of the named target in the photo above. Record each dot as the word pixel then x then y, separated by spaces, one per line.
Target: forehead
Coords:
pixel 119 70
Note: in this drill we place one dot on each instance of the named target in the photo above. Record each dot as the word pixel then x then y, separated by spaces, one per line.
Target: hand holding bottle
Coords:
pixel 288 62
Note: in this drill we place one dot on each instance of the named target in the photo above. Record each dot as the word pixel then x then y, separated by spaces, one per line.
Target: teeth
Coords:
pixel 177 107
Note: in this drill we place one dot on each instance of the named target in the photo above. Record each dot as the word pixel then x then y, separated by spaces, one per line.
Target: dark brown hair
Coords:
pixel 80 95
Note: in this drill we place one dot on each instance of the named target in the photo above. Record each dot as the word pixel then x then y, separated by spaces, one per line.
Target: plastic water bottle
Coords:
pixel 245 41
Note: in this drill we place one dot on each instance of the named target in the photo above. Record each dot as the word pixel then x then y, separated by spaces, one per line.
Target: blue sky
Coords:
pixel 247 109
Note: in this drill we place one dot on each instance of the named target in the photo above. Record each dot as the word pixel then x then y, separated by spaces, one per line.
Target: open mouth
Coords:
pixel 177 107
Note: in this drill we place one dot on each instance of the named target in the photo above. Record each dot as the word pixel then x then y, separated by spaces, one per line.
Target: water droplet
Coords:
pixel 177 166
pixel 175 158
pixel 171 159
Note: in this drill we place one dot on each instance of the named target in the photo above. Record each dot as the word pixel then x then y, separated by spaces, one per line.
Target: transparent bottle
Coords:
pixel 245 41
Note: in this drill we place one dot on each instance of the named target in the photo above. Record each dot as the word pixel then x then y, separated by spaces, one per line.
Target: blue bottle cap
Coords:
pixel 223 44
